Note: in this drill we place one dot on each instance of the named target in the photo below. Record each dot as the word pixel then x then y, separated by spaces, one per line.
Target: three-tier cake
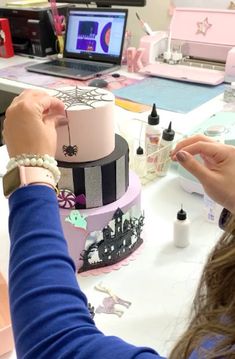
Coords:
pixel 99 199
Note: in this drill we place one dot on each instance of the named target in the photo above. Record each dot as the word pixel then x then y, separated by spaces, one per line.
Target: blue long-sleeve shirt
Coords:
pixel 49 311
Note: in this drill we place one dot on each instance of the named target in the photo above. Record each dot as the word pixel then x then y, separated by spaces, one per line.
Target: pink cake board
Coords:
pixel 97 219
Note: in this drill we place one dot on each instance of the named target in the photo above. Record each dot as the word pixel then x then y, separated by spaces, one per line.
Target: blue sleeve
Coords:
pixel 49 312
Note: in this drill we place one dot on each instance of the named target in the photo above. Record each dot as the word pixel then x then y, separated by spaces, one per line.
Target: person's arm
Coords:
pixel 49 312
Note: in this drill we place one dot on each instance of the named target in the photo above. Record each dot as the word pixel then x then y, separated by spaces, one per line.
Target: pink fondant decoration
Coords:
pixel 98 218
pixel 90 129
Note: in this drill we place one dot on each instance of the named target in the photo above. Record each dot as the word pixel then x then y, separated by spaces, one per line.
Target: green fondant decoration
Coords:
pixel 76 219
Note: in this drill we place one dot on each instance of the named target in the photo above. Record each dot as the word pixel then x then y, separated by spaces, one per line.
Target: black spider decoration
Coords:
pixel 70 150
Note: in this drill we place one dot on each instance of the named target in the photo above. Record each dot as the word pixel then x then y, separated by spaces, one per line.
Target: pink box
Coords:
pixel 6 335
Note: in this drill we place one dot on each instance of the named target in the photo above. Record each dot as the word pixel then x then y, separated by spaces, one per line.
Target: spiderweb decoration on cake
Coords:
pixel 78 96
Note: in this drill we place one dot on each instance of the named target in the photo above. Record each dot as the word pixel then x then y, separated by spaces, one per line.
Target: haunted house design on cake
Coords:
pixel 116 244
pixel 96 186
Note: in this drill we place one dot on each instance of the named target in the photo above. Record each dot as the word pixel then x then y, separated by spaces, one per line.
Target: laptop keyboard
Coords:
pixel 81 66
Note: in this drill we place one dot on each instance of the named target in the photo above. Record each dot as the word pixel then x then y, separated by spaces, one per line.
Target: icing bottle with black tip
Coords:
pixel 166 144
pixel 152 139
pixel 181 229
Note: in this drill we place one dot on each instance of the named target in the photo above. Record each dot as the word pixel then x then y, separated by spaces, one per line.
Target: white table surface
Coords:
pixel 161 281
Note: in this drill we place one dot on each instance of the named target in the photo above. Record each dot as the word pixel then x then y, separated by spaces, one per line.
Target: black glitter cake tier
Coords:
pixel 95 183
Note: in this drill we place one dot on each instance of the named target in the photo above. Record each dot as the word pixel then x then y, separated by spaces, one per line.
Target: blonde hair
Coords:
pixel 213 311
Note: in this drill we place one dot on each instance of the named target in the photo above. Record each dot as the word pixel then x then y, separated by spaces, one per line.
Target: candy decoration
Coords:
pixel 81 199
pixel 66 199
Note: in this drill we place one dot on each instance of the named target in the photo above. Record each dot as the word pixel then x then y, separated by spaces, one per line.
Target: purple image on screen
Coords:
pixel 87 32
pixel 105 37
pixel 86 45
pixel 88 29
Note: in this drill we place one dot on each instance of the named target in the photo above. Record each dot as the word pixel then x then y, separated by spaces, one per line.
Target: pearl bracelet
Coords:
pixel 29 160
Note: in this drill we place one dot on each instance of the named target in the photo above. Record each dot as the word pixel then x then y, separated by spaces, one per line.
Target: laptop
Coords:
pixel 94 41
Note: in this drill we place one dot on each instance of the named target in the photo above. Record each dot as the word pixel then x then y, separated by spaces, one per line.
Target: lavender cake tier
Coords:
pixel 103 236
pixel 95 183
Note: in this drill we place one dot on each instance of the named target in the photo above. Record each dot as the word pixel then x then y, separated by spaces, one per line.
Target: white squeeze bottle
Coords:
pixel 181 229
pixel 140 162
pixel 152 139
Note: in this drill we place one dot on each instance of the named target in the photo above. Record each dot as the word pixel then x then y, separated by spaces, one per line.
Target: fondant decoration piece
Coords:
pixel 66 199
pixel 90 240
pixel 109 303
pixel 81 199
pixel 70 150
pixel 76 219
pixel 114 267
pixel 116 244
pixel 80 96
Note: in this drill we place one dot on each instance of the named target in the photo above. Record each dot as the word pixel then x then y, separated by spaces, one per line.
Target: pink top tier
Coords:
pixel 89 134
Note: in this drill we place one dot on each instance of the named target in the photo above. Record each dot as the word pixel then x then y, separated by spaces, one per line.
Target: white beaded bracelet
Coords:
pixel 29 160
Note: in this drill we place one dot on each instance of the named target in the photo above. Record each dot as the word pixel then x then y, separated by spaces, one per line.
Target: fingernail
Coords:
pixel 62 120
pixel 181 156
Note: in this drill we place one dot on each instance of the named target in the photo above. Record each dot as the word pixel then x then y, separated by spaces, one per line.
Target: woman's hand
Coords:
pixel 30 123
pixel 216 173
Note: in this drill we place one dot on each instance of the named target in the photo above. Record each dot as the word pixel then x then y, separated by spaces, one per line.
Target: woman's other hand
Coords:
pixel 217 171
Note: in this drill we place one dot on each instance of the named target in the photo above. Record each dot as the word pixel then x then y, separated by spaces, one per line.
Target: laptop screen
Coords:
pixel 95 34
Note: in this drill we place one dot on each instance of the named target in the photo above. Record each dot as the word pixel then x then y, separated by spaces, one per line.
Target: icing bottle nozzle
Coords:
pixel 168 134
pixel 139 151
pixel 153 118
pixel 181 214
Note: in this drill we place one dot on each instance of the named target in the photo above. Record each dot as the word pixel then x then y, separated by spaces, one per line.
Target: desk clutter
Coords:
pixel 6 47
pixel 32 29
